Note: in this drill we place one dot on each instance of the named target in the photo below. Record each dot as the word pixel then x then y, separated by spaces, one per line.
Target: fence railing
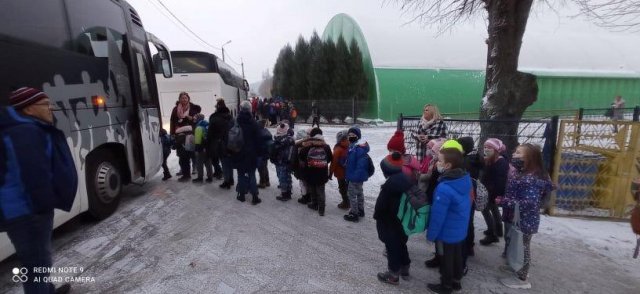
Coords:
pixel 592 162
pixel 540 132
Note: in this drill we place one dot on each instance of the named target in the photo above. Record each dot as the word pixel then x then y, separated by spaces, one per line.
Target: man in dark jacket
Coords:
pixel 219 124
pixel 38 175
pixel 246 161
pixel 315 156
pixel 390 230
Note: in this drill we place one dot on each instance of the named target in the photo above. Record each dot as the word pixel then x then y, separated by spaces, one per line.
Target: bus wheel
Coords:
pixel 104 184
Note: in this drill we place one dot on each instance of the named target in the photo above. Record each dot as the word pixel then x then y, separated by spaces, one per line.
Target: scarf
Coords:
pixel 183 111
pixel 425 124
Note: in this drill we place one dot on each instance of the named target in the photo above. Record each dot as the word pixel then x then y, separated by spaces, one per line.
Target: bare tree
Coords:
pixel 507 92
pixel 613 14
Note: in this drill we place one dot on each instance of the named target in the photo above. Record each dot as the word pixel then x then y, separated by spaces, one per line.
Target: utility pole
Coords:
pixel 242 65
pixel 223 49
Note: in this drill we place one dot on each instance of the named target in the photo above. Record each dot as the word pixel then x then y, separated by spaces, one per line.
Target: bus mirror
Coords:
pixel 166 68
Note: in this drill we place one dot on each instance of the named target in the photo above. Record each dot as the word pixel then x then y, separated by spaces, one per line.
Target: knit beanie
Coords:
pixel 397 142
pixel 495 144
pixel 452 144
pixel 282 129
pixel 25 96
pixel 436 144
pixel 355 131
pixel 314 132
pixel 341 135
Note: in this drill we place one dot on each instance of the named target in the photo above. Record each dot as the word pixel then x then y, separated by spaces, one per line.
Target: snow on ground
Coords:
pixel 170 237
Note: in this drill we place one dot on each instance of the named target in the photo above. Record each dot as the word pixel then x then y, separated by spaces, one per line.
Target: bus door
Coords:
pixel 147 104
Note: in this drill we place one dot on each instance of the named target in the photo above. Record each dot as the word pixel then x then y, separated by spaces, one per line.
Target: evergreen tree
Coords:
pixel 301 64
pixel 283 73
pixel 341 79
pixel 330 59
pixel 358 79
pixel 318 79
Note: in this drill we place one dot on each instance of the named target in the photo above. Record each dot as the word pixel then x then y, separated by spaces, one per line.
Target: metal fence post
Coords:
pixel 399 124
pixel 580 113
pixel 555 124
pixel 636 113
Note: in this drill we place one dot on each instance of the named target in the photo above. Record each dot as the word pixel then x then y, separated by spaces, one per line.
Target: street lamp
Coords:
pixel 223 48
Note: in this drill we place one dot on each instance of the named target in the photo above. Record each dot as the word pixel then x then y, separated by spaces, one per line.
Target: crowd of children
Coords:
pixel 448 176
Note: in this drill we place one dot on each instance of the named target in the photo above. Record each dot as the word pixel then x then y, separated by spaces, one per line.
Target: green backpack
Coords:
pixel 413 211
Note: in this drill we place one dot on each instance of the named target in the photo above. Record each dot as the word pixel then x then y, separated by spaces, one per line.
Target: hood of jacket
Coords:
pixel 457 178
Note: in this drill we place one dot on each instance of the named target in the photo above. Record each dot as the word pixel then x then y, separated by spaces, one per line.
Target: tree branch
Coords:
pixel 618 15
pixel 441 13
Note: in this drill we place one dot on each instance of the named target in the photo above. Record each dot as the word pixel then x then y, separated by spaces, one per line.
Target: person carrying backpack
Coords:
pixel 449 219
pixel 398 160
pixel 389 227
pixel 202 158
pixel 37 175
pixel 245 159
pixel 473 165
pixel 280 157
pixel 218 132
pixel 358 171
pixel 338 166
pixel 302 136
pixel 315 157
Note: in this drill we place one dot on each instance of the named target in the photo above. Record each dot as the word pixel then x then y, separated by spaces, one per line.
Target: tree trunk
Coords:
pixel 507 92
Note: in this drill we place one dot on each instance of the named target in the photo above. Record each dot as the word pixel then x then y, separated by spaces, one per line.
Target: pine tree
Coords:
pixel 318 79
pixel 330 59
pixel 302 62
pixel 283 73
pixel 358 79
pixel 340 83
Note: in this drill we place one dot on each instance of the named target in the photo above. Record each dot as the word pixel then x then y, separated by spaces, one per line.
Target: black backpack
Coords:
pixel 371 169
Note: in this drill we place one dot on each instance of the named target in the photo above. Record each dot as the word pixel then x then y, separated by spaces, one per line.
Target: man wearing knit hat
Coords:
pixel 37 174
pixel 280 157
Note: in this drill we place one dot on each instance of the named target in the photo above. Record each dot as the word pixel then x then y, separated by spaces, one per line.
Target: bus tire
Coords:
pixel 104 184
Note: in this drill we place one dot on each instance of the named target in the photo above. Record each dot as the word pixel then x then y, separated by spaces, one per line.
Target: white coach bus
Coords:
pixel 205 77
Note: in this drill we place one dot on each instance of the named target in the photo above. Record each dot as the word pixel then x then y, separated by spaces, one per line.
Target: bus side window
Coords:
pixel 42 22
pixel 95 23
pixel 145 100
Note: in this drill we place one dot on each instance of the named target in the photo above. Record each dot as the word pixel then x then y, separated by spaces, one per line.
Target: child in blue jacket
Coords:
pixel 449 219
pixel 357 173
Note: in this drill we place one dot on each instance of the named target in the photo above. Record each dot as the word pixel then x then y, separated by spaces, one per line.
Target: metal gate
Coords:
pixel 594 165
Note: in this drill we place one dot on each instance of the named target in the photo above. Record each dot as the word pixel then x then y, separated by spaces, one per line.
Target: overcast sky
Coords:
pixel 258 30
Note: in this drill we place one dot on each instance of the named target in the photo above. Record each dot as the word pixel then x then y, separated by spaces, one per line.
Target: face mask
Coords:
pixel 488 152
pixel 396 155
pixel 517 163
pixel 440 168
pixel 353 139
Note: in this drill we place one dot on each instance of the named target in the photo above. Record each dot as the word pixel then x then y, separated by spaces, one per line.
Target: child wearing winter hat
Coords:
pixel 338 166
pixel 315 157
pixel 301 136
pixel 357 173
pixel 495 180
pixel 398 160
pixel 449 218
pixel 280 157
